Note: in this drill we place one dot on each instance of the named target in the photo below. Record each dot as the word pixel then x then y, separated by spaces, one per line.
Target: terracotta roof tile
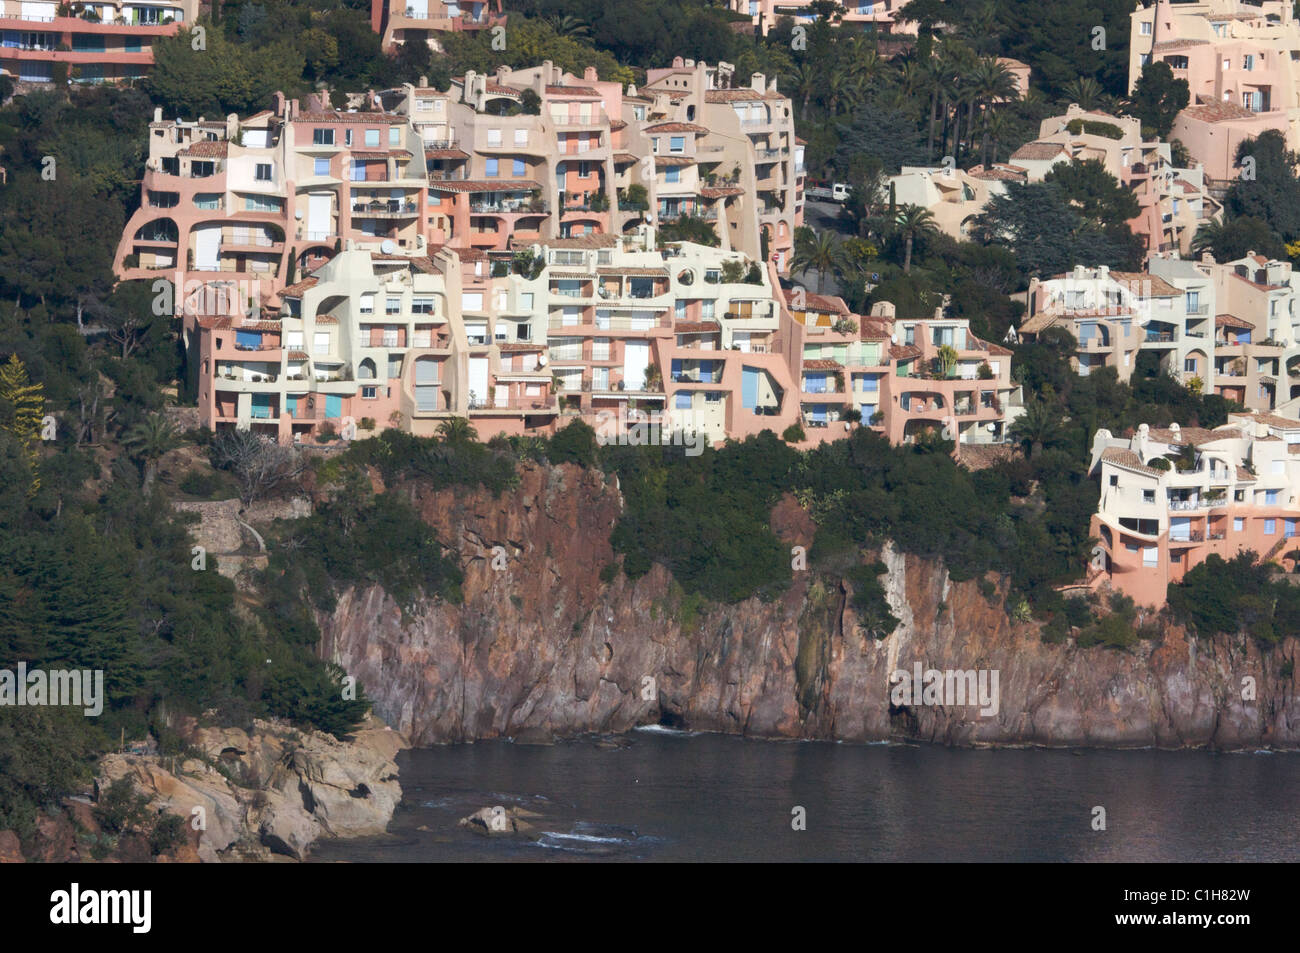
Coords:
pixel 296 290
pixel 1232 321
pixel 904 352
pixel 1122 456
pixel 483 185
pixel 207 150
pixel 1039 151
pixel 676 127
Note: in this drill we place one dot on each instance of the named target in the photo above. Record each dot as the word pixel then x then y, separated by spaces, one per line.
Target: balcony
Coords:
pixel 1158 337
pixel 393 208
pixel 1179 506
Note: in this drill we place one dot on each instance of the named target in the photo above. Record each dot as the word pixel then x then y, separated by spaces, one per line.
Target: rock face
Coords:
pixel 544 648
pixel 275 790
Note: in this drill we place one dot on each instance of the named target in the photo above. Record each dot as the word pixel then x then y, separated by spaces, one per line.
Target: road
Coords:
pixel 822 216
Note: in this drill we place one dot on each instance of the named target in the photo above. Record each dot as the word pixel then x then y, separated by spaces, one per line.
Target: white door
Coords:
pixel 207 244
pixel 636 358
pixel 478 377
pixel 255 138
pixel 318 214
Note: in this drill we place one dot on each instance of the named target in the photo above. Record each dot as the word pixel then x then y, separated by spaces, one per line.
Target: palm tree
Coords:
pixel 148 441
pixel 911 221
pixel 804 81
pixel 569 25
pixel 947 359
pixel 991 83
pixel 815 251
pixel 1209 237
pixel 1084 91
pixel 457 430
pixel 1038 427
pixel 996 127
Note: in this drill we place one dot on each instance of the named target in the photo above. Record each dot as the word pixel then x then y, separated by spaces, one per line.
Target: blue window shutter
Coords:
pixel 333 406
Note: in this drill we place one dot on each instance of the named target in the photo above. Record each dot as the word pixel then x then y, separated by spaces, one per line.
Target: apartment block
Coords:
pixel 903 376
pixel 612 330
pixel 421 21
pixel 1241 62
pixel 875 15
pixel 1170 497
pixel 1113 315
pixel 1257 360
pixel 1173 202
pixel 98 42
pixel 501 176
pixel 954 196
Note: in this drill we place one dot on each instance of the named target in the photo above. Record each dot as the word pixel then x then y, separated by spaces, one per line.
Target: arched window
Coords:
pixel 366 371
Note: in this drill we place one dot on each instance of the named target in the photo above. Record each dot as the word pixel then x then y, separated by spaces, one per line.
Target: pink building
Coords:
pixel 98 42
pixel 1239 62
pixel 1170 497
pixel 403 21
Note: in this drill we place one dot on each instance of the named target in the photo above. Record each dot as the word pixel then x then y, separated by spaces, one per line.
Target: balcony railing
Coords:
pixel 391 207
pixel 1184 505
pixel 1159 336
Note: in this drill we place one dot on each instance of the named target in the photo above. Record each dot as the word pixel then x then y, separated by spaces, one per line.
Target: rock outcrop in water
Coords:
pixel 545 647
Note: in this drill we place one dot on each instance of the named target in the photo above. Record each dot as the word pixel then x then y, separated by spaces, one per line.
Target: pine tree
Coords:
pixel 22 405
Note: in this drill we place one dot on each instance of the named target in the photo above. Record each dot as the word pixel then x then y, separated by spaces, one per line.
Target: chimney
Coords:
pixel 424 82
pixel 157 113
pixel 589 74
pixel 758 82
pixel 1103 271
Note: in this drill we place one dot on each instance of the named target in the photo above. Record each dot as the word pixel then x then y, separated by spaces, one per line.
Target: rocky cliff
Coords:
pixel 543 647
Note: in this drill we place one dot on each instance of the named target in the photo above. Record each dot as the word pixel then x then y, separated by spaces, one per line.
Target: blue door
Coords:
pixel 333 406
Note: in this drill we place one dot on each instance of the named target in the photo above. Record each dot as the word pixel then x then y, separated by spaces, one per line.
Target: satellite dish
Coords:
pixel 991 427
pixel 893 338
pixel 388 247
pixel 298 214
pixel 542 360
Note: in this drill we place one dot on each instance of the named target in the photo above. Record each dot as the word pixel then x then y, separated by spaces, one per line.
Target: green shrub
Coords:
pixel 793 434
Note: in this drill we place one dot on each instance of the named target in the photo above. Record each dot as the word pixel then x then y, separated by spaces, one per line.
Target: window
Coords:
pixel 471 301
pixel 672 175
pixel 322 137
pixel 680 309
pixel 1146 29
pixel 358 171
pixel 706 308
pixel 1238 524
pixel 293 340
pixel 369 393
pixel 321 167
pixel 1189 365
pixel 261 203
pixel 1288 528
pixel 1114 480
pixel 491 168
pixel 518 169
pixel 321 342
pixel 368 303
pixel 526 301
pixel 1148 496
pixel 1270 527
pixel 521 137
pixel 372 138
pixel 1277 467
pixel 392 305
pixel 683 401
pixel 677 144
pixel 263 173
pixel 347 137
pixel 494 137
pixel 1248 62
pixel 422 304
pixel 394 135
pixel 1270 497
pixel 1150 556
pixel 584 170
